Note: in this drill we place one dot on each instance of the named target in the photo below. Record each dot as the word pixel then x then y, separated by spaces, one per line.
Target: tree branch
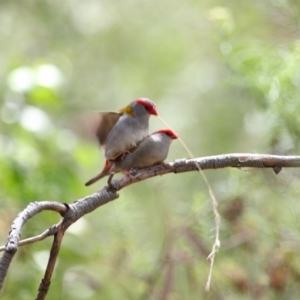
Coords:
pixel 236 160
pixel 45 282
pixel 50 231
pixel 15 231
pixel 71 213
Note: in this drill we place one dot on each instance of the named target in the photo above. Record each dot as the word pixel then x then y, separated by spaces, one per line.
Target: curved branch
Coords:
pixel 71 213
pixel 15 231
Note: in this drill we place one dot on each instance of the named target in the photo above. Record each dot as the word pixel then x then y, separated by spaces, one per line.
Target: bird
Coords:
pixel 150 151
pixel 118 132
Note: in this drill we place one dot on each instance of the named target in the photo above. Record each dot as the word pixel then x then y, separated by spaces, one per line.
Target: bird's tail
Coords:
pixel 105 172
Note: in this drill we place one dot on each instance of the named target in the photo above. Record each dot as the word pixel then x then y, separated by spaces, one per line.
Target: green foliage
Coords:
pixel 225 77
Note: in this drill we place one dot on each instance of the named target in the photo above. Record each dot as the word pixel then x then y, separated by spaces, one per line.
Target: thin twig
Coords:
pixel 49 232
pixel 214 202
pixel 45 282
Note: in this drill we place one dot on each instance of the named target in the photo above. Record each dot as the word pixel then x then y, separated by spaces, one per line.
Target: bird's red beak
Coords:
pixel 174 135
pixel 153 111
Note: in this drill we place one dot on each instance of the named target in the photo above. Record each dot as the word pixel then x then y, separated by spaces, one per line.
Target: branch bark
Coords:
pixel 71 213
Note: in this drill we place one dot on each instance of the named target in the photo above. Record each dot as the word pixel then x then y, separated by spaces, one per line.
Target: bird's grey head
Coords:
pixel 144 107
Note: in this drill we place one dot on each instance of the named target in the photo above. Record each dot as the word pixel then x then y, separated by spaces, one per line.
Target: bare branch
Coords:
pixel 15 231
pixel 45 283
pixel 71 213
pixel 49 232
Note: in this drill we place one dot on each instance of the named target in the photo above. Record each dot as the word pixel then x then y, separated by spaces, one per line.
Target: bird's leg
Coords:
pixel 109 183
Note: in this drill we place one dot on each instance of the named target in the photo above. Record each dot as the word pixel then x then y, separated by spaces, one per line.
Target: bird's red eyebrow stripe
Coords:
pixel 148 104
pixel 169 132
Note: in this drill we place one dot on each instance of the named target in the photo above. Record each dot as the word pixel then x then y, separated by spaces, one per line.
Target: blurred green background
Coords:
pixel 224 74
